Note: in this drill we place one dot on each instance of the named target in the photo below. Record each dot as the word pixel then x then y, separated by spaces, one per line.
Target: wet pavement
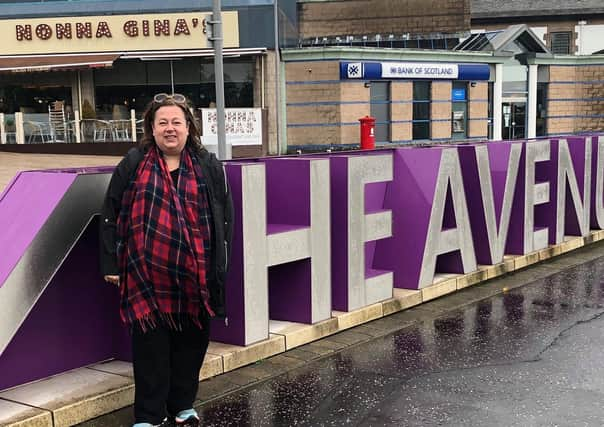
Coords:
pixel 523 350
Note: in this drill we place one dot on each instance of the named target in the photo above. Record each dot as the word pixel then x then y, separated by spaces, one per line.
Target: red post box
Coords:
pixel 367 132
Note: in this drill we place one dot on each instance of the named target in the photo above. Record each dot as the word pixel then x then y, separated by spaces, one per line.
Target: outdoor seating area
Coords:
pixel 56 127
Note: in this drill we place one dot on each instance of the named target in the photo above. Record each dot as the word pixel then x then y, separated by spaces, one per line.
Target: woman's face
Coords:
pixel 170 129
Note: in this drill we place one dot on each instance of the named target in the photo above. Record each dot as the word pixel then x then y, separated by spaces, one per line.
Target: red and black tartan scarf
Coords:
pixel 163 240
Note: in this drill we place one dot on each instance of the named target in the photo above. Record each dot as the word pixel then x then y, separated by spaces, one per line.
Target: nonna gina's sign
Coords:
pixel 114 33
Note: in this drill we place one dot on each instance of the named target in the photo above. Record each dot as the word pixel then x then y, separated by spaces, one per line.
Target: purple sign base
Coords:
pixel 75 322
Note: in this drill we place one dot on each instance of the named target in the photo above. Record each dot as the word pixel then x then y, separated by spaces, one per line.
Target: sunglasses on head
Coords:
pixel 176 97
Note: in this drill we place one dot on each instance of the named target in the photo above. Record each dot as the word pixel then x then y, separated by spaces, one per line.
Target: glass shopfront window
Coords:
pixel 33 92
pixel 541 109
pixel 421 109
pixel 131 84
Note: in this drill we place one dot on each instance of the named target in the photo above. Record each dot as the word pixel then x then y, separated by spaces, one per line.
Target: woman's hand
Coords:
pixel 114 279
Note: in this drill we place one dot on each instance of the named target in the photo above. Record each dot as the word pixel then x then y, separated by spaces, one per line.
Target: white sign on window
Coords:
pixel 243 126
pixel 416 70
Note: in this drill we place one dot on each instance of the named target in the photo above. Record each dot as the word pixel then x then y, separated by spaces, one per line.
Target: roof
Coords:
pixel 515 39
pixel 534 8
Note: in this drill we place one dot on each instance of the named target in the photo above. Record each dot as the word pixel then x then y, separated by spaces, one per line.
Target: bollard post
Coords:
pixel 133 124
pixel 19 133
pixel 2 129
pixel 76 123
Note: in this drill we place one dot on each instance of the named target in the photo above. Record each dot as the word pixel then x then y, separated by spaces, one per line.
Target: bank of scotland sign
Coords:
pixel 354 70
pixel 413 70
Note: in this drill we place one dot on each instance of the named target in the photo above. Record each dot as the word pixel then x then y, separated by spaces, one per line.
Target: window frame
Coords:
pixel 418 124
pixel 555 47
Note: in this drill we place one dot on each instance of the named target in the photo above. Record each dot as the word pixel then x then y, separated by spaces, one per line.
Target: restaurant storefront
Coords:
pixel 108 67
pixel 127 84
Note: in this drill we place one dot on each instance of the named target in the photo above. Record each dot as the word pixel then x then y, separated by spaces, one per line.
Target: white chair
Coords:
pixel 102 130
pixel 121 129
pixel 56 119
pixel 35 130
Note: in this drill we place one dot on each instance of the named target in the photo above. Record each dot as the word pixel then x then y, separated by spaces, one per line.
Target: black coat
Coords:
pixel 221 206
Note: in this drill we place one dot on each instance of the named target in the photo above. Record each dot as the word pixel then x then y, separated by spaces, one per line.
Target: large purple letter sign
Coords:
pixel 574 156
pixel 490 173
pixel 295 232
pixel 430 218
pixel 355 283
pixel 312 234
pixel 597 187
pixel 536 222
pixel 444 237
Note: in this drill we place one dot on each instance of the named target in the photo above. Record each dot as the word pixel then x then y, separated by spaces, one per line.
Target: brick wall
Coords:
pixel 356 104
pixel 441 111
pixel 574 99
pixel 478 110
pixel 402 110
pixel 360 17
pixel 313 103
pixel 591 108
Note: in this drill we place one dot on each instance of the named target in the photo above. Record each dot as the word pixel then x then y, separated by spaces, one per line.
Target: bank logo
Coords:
pixel 354 70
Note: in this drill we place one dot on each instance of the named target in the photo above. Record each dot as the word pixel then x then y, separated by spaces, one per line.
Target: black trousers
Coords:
pixel 166 368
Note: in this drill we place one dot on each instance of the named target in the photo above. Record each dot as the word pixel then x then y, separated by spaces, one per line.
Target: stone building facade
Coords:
pixel 323 110
pixel 574 34
pixel 365 17
pixel 524 95
pixel 576 98
pixel 567 27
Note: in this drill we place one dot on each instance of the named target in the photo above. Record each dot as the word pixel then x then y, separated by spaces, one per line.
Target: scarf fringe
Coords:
pixel 173 321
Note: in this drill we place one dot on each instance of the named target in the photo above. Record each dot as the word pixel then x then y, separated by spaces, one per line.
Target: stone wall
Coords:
pixel 441 110
pixel 478 113
pixel 575 99
pixel 313 103
pixel 402 110
pixel 366 17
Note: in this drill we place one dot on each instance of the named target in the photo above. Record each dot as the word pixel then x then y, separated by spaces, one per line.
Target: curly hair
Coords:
pixel 194 138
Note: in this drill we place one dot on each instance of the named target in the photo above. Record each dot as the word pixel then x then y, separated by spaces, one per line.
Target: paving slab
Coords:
pixel 350 337
pixel 303 354
pixel 353 318
pixel 442 287
pixel 116 367
pixel 402 299
pixel 297 334
pixel 234 356
pixel 499 269
pixel 17 415
pixel 75 396
pixel 472 278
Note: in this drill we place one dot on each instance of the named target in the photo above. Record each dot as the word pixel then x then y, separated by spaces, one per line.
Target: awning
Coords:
pixel 177 54
pixel 17 64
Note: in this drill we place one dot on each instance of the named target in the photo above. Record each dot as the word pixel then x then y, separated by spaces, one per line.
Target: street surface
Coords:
pixel 523 350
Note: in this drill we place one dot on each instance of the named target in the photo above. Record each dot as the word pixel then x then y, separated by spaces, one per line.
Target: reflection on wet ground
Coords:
pixel 527 357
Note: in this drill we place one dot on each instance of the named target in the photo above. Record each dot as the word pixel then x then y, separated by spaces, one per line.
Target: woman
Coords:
pixel 165 234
